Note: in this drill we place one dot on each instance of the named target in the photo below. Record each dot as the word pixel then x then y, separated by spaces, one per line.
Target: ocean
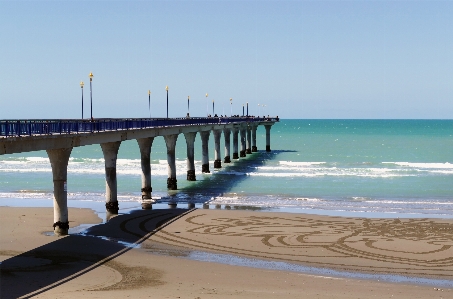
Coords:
pixel 370 168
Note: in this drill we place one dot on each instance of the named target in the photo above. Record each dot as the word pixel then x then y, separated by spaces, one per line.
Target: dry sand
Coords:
pixel 90 267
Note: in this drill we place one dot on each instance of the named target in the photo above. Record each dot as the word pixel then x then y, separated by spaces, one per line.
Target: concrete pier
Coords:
pixel 217 161
pixel 205 151
pixel 110 150
pixel 190 141
pixel 145 160
pixel 268 137
pixel 243 135
pixel 59 160
pixel 235 143
pixel 254 148
pixel 248 149
pixel 226 134
pixel 57 137
pixel 170 141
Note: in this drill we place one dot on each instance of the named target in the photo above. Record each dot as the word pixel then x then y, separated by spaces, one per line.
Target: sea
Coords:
pixel 364 168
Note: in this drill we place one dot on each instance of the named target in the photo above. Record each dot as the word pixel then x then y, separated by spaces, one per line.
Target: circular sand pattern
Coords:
pixel 407 246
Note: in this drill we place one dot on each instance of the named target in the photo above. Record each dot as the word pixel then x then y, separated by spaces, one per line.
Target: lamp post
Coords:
pixel 149 102
pixel 166 88
pixel 91 94
pixel 188 110
pixel 242 109
pixel 247 108
pixel 231 106
pixel 213 108
pixel 81 86
pixel 207 113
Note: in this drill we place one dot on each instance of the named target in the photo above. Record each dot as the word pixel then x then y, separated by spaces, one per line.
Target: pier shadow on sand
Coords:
pixel 66 258
pixel 48 266
pixel 223 180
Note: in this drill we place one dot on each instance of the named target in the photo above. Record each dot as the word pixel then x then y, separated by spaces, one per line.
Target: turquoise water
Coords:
pixel 392 167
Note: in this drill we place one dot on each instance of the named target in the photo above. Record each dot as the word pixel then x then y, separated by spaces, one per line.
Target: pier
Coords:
pixel 59 137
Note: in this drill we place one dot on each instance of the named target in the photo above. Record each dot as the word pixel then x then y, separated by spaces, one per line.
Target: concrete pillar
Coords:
pixel 190 141
pixel 254 148
pixel 59 160
pixel 110 150
pixel 242 153
pixel 217 161
pixel 268 137
pixel 226 134
pixel 145 157
pixel 249 141
pixel 170 141
pixel 205 151
pixel 235 143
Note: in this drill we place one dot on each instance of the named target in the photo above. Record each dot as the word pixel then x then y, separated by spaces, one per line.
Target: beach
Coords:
pixel 201 253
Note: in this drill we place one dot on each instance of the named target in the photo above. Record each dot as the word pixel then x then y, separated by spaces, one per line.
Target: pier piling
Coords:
pixel 59 161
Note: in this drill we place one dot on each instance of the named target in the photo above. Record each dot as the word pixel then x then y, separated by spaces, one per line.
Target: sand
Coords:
pixel 158 266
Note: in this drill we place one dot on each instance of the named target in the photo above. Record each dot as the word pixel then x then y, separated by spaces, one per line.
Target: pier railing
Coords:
pixel 18 128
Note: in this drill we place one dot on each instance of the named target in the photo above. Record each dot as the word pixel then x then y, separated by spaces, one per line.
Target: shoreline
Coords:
pixel 247 235
pixel 128 206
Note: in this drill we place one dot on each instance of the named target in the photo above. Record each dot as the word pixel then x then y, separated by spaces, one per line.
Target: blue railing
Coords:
pixel 18 128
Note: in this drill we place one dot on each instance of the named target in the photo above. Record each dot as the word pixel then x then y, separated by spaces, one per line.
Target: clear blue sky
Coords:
pixel 302 59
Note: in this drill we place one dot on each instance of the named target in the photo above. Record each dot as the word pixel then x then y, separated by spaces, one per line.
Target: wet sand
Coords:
pixel 159 267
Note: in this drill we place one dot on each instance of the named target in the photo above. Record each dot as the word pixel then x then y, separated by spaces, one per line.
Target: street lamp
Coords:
pixel 231 106
pixel 247 108
pixel 166 88
pixel 188 110
pixel 213 108
pixel 91 94
pixel 81 86
pixel 242 109
pixel 207 113
pixel 149 102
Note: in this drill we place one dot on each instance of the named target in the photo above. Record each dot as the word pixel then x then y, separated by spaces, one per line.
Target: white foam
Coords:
pixel 94 166
pixel 37 159
pixel 300 164
pixel 84 160
pixel 308 199
pixel 445 165
pixel 326 173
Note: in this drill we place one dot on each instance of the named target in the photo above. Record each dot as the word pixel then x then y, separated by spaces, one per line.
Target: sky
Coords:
pixel 294 59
